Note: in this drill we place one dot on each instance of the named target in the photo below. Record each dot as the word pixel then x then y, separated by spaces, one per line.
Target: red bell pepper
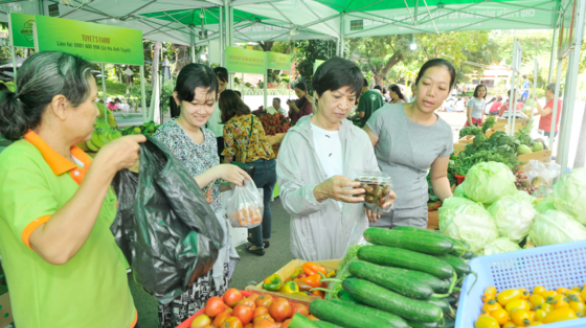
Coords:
pixel 313 280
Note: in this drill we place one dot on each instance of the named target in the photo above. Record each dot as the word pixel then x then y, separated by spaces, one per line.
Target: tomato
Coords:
pixel 558 315
pixel 232 296
pixel 501 316
pixel 253 297
pixel 521 318
pixel 538 290
pixel 280 309
pixel 486 297
pixel 201 321
pixel 509 324
pixel 508 295
pixel 219 320
pixel 248 302
pixel 249 326
pixel 491 305
pixel 232 322
pixel 214 306
pixel 265 316
pixel 486 322
pixel 265 324
pixel 264 300
pixel 299 308
pixel 490 290
pixel 286 323
pixel 518 305
pixel 243 312
pixel 260 310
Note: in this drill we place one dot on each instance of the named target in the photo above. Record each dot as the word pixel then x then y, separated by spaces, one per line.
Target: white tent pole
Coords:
pixel 221 27
pixel 192 54
pixel 12 52
pixel 571 85
pixel 104 91
pixel 143 94
pixel 555 109
pixel 266 79
pixel 228 23
pixel 513 91
pixel 535 72
pixel 553 55
pixel 342 35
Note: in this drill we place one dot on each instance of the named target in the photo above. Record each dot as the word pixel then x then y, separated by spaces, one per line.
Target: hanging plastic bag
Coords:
pixel 164 225
pixel 245 206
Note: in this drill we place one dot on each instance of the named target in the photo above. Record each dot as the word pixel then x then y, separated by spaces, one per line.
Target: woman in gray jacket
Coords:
pixel 316 160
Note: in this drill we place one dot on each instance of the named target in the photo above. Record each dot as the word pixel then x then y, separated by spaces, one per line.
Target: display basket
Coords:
pixel 562 265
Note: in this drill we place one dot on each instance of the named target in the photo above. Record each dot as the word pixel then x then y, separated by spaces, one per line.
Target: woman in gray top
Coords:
pixel 409 139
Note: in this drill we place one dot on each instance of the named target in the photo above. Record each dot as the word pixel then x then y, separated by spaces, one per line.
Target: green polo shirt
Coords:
pixel 91 289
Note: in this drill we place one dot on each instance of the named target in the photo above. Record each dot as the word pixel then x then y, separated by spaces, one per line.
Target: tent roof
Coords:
pixel 178 21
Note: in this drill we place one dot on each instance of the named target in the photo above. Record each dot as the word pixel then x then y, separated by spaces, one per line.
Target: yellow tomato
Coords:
pixel 558 315
pixel 521 318
pixel 524 294
pixel 577 289
pixel 576 295
pixel 537 301
pixel 562 291
pixel 518 305
pixel 500 315
pixel 486 322
pixel 578 307
pixel 509 324
pixel 490 290
pixel 487 297
pixel 490 306
pixel 540 314
pixel 507 296
pixel 536 323
pixel 560 301
pixel 547 307
pixel 538 290
pixel 548 293
pixel 583 294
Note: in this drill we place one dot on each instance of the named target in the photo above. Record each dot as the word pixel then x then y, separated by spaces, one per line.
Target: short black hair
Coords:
pixel 499 98
pixel 336 73
pixel 478 87
pixel 396 89
pixel 221 73
pixel 277 99
pixel 378 87
pixel 524 76
pixel 301 86
pixel 238 93
pixel 195 76
pixel 117 100
pixel 438 62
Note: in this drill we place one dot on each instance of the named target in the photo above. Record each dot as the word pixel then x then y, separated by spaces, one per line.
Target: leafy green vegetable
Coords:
pixel 501 245
pixel 470 131
pixel 569 194
pixel 513 217
pixel 488 123
pixel 555 227
pixel 487 182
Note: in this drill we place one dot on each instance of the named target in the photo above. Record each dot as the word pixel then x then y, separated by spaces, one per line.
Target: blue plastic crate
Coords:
pixel 562 265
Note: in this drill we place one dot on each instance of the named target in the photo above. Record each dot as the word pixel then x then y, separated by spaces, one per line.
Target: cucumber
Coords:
pixel 438 285
pixel 415 324
pixel 434 244
pixel 468 255
pixel 340 315
pixel 396 321
pixel 396 280
pixel 379 297
pixel 460 247
pixel 345 296
pixel 403 258
pixel 461 267
pixel 299 321
pixel 449 323
pixel 442 303
pixel 325 324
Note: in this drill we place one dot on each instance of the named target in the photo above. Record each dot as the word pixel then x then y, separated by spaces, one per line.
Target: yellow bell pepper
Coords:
pixel 290 287
pixel 273 283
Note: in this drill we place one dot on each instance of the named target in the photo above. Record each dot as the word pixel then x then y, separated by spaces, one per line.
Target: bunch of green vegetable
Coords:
pixel 498 148
pixel 488 123
pixel 405 279
pixel 470 131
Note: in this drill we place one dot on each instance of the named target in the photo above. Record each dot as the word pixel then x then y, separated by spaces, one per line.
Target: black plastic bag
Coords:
pixel 164 225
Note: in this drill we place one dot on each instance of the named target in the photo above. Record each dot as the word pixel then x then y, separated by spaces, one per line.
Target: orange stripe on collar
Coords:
pixel 57 162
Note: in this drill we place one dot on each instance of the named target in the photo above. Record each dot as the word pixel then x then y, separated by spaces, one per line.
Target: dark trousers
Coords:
pixel 548 134
pixel 265 177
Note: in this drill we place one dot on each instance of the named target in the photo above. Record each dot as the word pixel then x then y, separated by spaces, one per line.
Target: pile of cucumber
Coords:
pixel 405 279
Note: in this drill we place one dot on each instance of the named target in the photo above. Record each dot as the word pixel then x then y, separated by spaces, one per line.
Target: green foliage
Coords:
pixel 488 123
pixel 470 131
pixel 306 54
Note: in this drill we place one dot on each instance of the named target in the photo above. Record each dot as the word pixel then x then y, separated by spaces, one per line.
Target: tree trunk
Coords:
pixel 580 160
pixel 182 58
pixel 379 79
pixel 267 45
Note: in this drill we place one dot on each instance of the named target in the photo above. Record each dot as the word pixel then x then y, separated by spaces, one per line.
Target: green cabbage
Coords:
pixel 487 182
pixel 459 192
pixel 523 196
pixel 555 227
pixel 569 194
pixel 545 205
pixel 466 220
pixel 512 217
pixel 501 245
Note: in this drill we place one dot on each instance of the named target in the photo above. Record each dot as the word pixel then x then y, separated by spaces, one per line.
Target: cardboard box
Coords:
pixel 5 310
pixel 287 271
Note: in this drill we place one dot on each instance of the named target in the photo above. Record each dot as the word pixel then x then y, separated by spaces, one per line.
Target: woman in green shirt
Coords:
pixel 62 264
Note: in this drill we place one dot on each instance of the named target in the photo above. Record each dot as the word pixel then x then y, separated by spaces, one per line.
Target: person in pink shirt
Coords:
pixel 494 109
pixel 505 106
pixel 547 111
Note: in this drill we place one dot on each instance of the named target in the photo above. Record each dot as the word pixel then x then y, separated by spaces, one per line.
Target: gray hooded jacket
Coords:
pixel 321 231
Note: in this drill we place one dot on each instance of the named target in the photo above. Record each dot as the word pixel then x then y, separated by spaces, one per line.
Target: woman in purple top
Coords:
pixel 301 106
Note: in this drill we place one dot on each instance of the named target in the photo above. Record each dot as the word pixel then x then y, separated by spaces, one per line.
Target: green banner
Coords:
pixel 279 61
pixel 93 42
pixel 240 60
pixel 21 27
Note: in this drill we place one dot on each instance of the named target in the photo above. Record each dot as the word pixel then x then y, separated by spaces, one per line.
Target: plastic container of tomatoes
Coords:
pixel 552 267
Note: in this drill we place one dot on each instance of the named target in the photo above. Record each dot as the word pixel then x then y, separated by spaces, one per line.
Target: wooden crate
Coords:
pixel 542 156
pixel 433 220
pixel 287 271
pixel 501 124
pixel 466 140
